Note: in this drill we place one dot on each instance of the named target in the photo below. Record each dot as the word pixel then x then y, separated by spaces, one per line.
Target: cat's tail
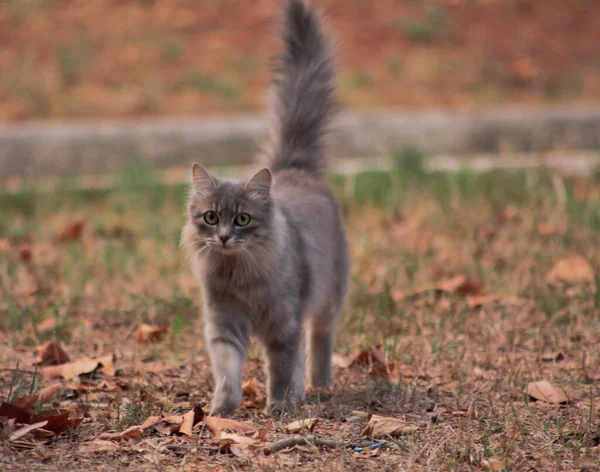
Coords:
pixel 303 94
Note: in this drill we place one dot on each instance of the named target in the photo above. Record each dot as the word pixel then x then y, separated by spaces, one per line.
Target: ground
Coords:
pixel 69 59
pixel 466 288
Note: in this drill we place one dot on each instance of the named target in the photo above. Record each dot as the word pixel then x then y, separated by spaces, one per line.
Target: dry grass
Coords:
pixel 457 369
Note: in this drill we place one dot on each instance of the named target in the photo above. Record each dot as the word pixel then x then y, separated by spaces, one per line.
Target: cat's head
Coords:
pixel 229 217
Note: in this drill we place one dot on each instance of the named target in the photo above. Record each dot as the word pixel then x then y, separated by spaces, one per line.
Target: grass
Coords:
pixel 460 369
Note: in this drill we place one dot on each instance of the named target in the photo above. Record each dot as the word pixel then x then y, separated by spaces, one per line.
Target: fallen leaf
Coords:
pixel 46 395
pixel 132 435
pixel 546 392
pixel 187 423
pixel 379 426
pixel 71 232
pixel 553 356
pixel 374 359
pixel 250 390
pixel 98 445
pixel 51 353
pixel 149 333
pixel 340 362
pixel 458 284
pixel 47 325
pixel 72 370
pixel 478 301
pixel 237 438
pixel 493 464
pixel 19 433
pixel 25 253
pixel 301 426
pixel 262 435
pixel 150 422
pixel 58 420
pixel 215 425
pixel 571 269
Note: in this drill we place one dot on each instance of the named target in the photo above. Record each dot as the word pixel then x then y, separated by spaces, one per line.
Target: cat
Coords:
pixel 270 253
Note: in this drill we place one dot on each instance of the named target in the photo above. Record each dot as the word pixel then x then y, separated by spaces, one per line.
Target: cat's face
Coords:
pixel 230 217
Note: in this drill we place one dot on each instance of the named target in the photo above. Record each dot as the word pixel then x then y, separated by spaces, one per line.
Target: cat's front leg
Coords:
pixel 227 350
pixel 285 371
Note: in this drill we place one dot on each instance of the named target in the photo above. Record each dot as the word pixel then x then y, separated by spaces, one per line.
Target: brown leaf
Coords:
pixel 98 445
pixel 215 425
pixel 302 426
pixel 553 356
pixel 132 435
pixel 58 420
pixel 187 423
pixel 25 253
pixel 546 392
pixel 262 435
pixel 104 364
pixel 379 426
pixel 46 395
pixel 237 438
pixel 340 362
pixel 571 269
pixel 19 433
pixel 47 325
pixel 51 353
pixel 478 301
pixel 250 390
pixel 458 284
pixel 149 334
pixel 71 232
pixel 493 464
pixel 374 359
pixel 150 422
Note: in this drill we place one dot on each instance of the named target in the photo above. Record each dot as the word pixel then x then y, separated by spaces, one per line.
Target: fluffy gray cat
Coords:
pixel 270 253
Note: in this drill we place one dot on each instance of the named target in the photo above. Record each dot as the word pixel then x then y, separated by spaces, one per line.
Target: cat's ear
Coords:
pixel 260 184
pixel 203 182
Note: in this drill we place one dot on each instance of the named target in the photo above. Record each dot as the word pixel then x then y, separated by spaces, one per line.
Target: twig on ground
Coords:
pixel 301 441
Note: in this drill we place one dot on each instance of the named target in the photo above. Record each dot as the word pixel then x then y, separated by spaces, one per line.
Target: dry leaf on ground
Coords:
pixel 72 370
pixel 71 232
pixel 262 435
pixel 375 360
pixel 301 426
pixel 51 353
pixel 478 301
pixel 237 438
pixel 150 333
pixel 132 435
pixel 493 464
pixel 168 425
pixel 340 362
pixel 58 420
pixel 571 269
pixel 379 426
pixel 98 445
pixel 250 390
pixel 458 284
pixel 19 433
pixel 47 325
pixel 546 392
pixel 215 425
pixel 46 395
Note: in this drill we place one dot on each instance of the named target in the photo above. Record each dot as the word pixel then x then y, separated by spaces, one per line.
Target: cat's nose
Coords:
pixel 224 238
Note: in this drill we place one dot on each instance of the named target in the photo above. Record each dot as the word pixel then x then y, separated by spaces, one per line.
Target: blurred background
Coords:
pixel 78 59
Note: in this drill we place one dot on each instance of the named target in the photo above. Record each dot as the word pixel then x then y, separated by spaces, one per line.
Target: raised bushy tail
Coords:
pixel 303 94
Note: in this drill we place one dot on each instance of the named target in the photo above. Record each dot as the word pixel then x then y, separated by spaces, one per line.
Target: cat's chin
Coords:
pixel 228 250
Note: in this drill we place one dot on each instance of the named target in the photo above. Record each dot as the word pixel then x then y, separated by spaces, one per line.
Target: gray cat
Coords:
pixel 270 253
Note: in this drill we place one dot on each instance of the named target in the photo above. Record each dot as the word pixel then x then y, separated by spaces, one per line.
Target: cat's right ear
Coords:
pixel 202 180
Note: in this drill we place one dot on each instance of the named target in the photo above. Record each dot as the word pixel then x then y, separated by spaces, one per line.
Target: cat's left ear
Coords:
pixel 203 182
pixel 260 184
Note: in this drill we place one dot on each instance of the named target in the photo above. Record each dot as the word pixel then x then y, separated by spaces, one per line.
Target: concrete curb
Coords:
pixel 64 149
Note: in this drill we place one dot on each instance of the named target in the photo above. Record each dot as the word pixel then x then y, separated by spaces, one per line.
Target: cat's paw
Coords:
pixel 225 405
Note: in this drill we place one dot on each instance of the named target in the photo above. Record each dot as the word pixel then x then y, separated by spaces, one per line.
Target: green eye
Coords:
pixel 211 218
pixel 243 219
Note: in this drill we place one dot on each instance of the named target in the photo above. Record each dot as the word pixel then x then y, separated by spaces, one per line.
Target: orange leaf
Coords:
pixel 71 232
pixel 149 334
pixel 546 392
pixel 215 425
pixel 571 269
pixel 72 370
pixel 52 353
pixel 381 426
pixel 132 435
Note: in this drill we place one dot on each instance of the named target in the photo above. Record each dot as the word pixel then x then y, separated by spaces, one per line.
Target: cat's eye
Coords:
pixel 243 219
pixel 211 218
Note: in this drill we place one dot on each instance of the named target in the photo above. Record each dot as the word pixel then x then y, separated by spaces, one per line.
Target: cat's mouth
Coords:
pixel 227 248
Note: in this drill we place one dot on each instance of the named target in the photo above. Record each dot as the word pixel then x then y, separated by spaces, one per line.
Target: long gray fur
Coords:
pixel 284 276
